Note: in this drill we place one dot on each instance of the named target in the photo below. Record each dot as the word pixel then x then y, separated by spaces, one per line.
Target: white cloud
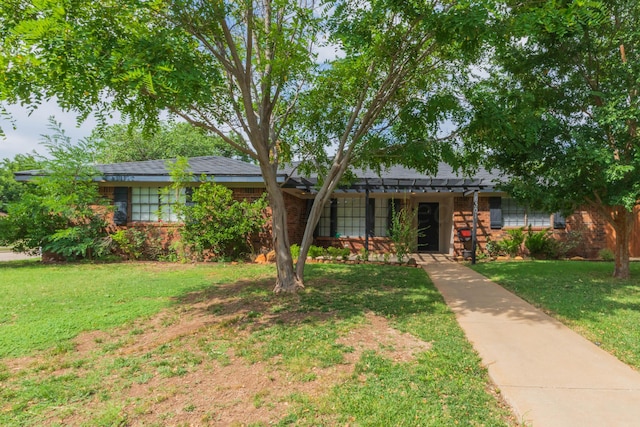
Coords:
pixel 30 128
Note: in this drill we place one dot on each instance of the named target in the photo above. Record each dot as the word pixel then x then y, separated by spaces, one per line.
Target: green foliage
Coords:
pixel 120 143
pixel 403 232
pixel 540 244
pixel 510 245
pixel 130 242
pixel 61 211
pixel 10 189
pixel 606 255
pixel 559 111
pixel 217 224
pixel 335 253
pixel 295 251
pixel 316 251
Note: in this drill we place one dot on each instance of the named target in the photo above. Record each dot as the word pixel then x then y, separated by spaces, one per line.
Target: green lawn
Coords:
pixel 583 295
pixel 44 307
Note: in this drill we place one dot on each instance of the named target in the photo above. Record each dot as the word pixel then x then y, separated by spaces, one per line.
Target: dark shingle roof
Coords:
pixel 227 170
pixel 208 165
pixel 400 177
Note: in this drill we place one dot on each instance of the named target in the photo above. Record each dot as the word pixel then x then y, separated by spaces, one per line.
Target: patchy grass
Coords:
pixel 361 345
pixel 44 306
pixel 583 295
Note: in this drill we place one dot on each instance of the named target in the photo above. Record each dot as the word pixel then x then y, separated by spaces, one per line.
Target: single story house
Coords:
pixel 358 215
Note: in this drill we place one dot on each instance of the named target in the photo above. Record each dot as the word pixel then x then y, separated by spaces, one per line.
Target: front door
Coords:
pixel 428 227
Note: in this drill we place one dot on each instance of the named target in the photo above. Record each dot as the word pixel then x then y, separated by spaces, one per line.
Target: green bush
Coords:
pixel 295 251
pixel 315 251
pixel 402 232
pixel 541 244
pixel 215 223
pixel 606 254
pixel 60 212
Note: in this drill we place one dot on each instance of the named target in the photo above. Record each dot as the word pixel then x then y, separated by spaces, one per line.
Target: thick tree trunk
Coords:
pixel 622 224
pixel 287 280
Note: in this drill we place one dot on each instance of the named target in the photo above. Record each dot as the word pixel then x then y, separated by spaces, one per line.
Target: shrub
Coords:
pixel 606 254
pixel 402 232
pixel 295 251
pixel 216 223
pixel 315 251
pixel 61 212
pixel 540 244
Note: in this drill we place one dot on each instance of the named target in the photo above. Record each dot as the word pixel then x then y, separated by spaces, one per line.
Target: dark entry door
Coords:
pixel 428 227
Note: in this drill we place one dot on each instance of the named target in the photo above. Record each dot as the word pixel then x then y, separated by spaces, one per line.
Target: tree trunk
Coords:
pixel 307 238
pixel 287 280
pixel 622 224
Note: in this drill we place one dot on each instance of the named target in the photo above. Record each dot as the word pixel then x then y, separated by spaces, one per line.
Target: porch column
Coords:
pixel 366 219
pixel 474 232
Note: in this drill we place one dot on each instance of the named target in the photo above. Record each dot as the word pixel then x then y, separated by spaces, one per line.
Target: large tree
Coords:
pixel 239 69
pixel 560 111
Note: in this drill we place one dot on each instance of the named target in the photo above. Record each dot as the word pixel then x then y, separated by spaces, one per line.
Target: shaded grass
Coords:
pixel 583 295
pixel 293 336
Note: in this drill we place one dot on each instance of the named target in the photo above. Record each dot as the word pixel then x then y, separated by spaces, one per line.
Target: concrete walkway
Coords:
pixel 13 256
pixel 550 375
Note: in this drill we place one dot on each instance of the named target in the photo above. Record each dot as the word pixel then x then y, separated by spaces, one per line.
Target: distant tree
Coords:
pixel 122 143
pixel 560 112
pixel 10 189
pixel 61 211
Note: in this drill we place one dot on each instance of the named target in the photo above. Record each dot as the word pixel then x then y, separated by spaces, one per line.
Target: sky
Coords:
pixel 29 128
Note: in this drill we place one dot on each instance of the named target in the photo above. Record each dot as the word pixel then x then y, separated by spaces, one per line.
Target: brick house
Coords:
pixel 359 214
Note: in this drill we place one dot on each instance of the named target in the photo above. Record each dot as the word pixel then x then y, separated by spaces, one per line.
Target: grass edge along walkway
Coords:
pixel 444 385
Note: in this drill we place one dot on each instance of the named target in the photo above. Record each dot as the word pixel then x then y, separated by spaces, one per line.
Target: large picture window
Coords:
pixel 155 204
pixel 346 217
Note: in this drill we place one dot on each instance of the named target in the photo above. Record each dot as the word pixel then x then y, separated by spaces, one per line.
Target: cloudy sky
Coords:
pixel 29 128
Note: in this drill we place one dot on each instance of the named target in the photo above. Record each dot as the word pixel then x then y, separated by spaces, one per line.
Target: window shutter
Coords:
pixel 371 219
pixel 188 196
pixel 308 214
pixel 559 221
pixel 333 226
pixel 495 212
pixel 121 203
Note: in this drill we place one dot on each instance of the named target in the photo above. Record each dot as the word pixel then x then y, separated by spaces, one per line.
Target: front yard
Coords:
pixel 583 295
pixel 171 344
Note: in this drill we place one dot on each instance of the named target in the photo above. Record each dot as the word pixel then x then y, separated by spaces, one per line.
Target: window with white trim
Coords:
pixel 155 204
pixel 516 215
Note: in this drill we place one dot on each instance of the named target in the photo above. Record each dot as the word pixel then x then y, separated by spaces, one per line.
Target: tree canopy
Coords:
pixel 247 72
pixel 560 111
pixel 121 143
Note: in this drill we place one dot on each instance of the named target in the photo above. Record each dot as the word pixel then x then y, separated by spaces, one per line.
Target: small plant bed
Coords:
pixel 583 295
pixel 360 345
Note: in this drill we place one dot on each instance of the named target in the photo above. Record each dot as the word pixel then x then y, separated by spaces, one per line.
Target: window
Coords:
pixel 515 215
pixel 346 217
pixel 155 203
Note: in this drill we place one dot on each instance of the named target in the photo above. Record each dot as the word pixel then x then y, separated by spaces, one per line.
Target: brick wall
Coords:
pixel 589 228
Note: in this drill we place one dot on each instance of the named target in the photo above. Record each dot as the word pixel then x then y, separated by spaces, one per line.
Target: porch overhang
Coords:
pixel 399 185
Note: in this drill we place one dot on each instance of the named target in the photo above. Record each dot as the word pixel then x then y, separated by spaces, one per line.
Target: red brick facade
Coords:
pixel 590 228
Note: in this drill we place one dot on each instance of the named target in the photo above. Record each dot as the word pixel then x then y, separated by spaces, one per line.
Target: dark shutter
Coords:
pixel 188 196
pixel 559 221
pixel 495 212
pixel 121 203
pixel 333 227
pixel 371 219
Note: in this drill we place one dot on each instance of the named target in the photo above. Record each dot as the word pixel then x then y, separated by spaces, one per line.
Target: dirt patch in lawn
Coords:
pixel 183 366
